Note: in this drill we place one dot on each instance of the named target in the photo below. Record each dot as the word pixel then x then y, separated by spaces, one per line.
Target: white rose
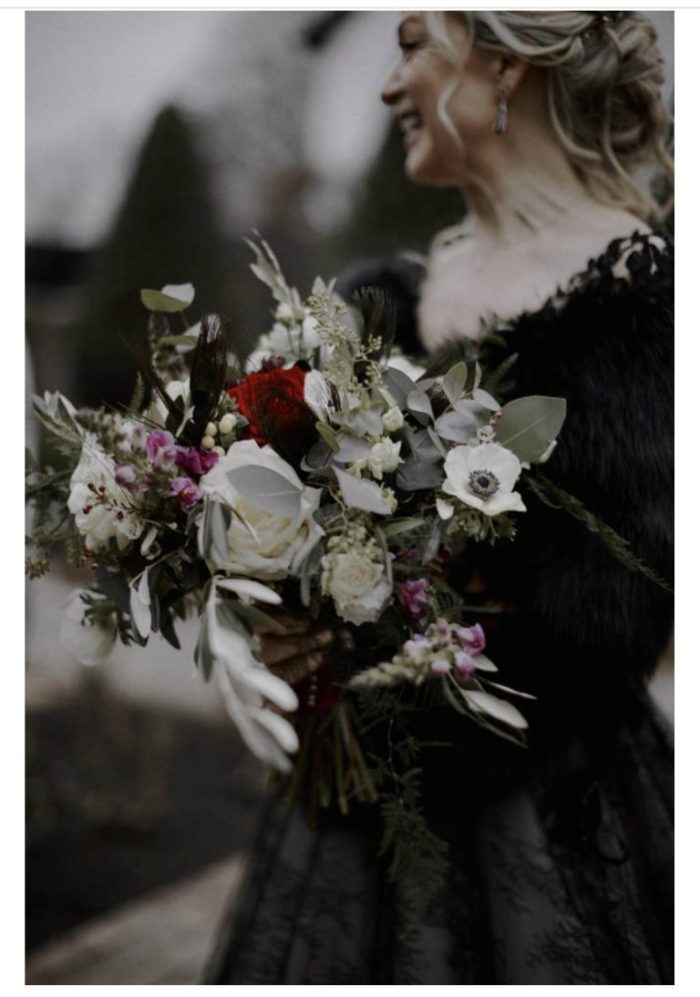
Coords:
pixel 89 642
pixel 384 457
pixel 393 419
pixel 483 478
pixel 105 510
pixel 262 544
pixel 357 584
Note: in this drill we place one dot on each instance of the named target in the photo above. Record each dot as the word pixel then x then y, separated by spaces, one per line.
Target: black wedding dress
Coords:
pixel 561 856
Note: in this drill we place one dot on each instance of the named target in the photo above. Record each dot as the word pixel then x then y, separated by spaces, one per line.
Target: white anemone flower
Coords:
pixel 483 477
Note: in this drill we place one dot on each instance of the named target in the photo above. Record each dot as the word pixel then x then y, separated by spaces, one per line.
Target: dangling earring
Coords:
pixel 501 122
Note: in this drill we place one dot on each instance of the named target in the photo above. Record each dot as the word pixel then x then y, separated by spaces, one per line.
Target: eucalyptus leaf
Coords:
pixel 267 489
pixel 156 301
pixel 454 381
pixel 327 436
pixel 188 341
pixel 351 448
pixel 398 384
pixel 528 425
pixel 423 447
pixel 318 457
pixel 437 442
pixel 416 474
pixel 360 494
pixel 457 427
pixel 485 399
pixel 181 292
pixel 419 406
pixel 366 421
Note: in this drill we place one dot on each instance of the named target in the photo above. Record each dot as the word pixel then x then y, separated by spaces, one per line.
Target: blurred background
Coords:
pixel 155 142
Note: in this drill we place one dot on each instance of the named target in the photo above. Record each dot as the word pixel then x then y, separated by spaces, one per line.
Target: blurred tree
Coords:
pixel 165 233
pixel 391 214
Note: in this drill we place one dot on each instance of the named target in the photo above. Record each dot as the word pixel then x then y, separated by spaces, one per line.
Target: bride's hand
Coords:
pixel 298 651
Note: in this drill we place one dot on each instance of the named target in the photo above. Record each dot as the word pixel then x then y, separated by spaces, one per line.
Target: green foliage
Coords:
pixel 417 856
pixel 556 497
pixel 50 522
pixel 528 425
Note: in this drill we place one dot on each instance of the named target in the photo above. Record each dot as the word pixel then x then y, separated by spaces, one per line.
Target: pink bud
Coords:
pixel 440 666
pixel 125 475
pixel 464 663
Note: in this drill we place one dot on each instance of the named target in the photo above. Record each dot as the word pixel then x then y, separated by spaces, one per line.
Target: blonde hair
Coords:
pixel 604 80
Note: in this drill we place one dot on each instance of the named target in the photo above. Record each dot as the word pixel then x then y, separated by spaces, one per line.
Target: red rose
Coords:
pixel 272 400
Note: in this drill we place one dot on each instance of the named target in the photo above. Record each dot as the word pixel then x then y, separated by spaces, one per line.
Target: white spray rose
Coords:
pixel 103 510
pixel 393 419
pixel 384 457
pixel 357 584
pixel 483 478
pixel 262 544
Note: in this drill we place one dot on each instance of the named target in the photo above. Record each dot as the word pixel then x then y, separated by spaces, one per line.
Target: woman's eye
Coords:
pixel 407 47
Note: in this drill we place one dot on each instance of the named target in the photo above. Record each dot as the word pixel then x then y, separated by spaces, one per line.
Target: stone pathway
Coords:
pixel 165 938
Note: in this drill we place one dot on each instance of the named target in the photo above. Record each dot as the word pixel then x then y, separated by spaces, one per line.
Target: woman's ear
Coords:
pixel 510 72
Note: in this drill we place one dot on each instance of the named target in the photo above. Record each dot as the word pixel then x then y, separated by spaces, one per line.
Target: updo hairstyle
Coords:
pixel 604 79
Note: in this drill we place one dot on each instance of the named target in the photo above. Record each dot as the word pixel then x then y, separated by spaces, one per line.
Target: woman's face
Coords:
pixel 434 155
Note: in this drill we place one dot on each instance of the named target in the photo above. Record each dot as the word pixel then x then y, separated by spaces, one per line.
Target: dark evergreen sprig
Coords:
pixel 556 497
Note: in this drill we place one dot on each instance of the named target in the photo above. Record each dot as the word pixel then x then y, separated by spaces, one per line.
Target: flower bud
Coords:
pixel 226 424
pixel 439 666
pixel 393 419
pixel 208 442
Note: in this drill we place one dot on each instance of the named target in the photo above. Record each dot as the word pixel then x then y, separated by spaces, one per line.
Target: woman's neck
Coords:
pixel 525 187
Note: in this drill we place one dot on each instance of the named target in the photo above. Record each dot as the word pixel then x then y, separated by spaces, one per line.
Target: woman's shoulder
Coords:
pixel 629 286
pixel 641 261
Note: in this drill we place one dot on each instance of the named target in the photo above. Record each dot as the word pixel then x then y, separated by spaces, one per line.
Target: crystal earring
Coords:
pixel 501 122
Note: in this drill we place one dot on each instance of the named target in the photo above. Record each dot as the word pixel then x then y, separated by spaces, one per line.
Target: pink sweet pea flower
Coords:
pixel 413 595
pixel 464 664
pixel 472 639
pixel 161 449
pixel 195 461
pixel 125 475
pixel 186 492
pixel 439 666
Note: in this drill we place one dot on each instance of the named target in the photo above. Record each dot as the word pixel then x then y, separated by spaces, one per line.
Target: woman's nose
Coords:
pixel 392 87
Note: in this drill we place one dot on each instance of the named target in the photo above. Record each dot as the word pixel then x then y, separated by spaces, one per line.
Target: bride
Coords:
pixel 560 857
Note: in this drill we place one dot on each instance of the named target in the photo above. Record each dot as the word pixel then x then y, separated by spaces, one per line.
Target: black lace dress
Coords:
pixel 561 856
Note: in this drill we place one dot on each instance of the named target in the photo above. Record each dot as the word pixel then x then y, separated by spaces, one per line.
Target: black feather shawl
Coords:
pixel 583 631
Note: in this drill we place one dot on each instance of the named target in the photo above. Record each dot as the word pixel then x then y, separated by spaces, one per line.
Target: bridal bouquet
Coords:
pixel 332 479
